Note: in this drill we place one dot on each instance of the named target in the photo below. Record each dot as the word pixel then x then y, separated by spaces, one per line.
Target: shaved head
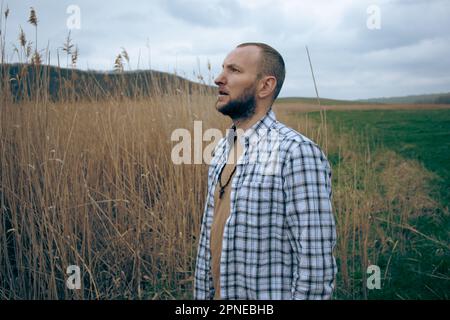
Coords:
pixel 271 63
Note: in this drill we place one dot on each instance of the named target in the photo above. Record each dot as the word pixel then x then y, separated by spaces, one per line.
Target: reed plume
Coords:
pixel 33 20
pixel 118 63
pixel 74 57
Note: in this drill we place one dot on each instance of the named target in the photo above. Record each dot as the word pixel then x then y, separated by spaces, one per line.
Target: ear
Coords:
pixel 267 87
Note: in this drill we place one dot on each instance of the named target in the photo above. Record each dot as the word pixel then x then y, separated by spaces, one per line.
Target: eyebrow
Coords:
pixel 232 65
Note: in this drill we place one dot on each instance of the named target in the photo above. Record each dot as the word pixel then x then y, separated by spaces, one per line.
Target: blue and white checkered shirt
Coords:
pixel 278 240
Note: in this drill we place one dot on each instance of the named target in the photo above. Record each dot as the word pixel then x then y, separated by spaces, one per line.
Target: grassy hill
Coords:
pixel 57 83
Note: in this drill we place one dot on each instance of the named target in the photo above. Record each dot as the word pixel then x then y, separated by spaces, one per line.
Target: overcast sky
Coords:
pixel 359 49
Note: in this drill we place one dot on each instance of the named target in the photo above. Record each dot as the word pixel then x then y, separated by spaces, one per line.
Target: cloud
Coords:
pixel 407 55
pixel 205 13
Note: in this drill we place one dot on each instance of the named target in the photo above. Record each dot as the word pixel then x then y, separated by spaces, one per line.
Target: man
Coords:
pixel 268 230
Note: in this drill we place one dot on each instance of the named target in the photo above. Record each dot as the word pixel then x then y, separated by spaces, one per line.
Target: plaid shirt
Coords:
pixel 278 240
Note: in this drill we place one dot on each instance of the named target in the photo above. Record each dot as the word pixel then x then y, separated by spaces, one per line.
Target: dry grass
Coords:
pixel 92 184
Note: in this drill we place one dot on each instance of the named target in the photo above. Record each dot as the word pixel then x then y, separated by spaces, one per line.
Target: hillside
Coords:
pixel 436 98
pixel 58 83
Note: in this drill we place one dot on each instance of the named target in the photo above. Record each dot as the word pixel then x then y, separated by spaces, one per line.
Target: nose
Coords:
pixel 220 80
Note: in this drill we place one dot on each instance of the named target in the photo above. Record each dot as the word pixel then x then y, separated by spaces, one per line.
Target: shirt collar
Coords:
pixel 255 132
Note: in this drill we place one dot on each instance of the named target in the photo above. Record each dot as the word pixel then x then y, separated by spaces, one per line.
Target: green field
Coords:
pixel 423 135
pixel 423 270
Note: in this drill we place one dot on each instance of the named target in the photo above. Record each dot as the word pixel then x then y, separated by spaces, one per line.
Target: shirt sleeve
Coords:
pixel 310 221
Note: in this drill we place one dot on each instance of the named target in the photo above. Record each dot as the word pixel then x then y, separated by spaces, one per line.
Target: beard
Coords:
pixel 243 107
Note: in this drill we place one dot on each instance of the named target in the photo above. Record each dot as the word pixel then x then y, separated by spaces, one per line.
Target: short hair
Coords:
pixel 272 63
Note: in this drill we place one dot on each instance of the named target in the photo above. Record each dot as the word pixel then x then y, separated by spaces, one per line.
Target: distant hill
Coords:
pixel 65 83
pixel 323 101
pixel 57 83
pixel 436 98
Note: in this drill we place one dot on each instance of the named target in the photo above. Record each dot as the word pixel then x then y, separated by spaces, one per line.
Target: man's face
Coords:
pixel 237 83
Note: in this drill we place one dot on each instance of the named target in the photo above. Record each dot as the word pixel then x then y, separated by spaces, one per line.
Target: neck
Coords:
pixel 247 123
